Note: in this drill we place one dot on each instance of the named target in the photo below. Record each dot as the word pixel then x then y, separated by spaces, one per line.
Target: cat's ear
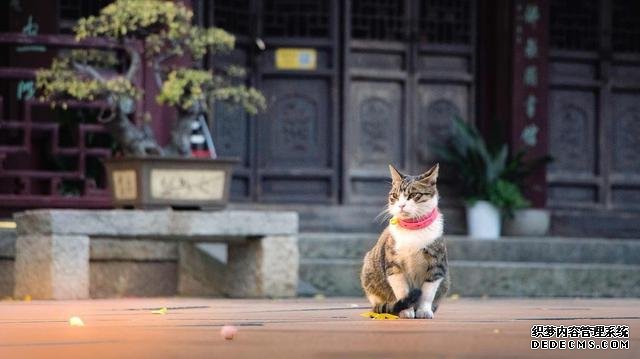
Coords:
pixel 431 175
pixel 396 176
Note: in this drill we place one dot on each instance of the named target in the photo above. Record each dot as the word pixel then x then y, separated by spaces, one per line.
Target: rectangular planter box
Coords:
pixel 152 182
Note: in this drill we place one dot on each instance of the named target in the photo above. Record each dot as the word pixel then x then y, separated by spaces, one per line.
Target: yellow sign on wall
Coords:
pixel 296 59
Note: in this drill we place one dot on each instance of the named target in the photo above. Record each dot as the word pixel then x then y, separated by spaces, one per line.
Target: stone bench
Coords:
pixel 52 247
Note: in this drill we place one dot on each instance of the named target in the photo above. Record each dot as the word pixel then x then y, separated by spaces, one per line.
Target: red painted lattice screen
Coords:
pixel 48 157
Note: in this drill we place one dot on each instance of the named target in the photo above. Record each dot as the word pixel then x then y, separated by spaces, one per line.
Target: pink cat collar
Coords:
pixel 416 223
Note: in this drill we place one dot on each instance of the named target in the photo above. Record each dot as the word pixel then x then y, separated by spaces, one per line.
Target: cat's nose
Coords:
pixel 402 205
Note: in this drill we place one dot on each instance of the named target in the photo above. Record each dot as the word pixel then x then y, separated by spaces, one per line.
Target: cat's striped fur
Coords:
pixel 406 271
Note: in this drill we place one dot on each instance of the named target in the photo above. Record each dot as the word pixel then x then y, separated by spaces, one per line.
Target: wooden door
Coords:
pixel 409 70
pixel 290 152
pixel 595 105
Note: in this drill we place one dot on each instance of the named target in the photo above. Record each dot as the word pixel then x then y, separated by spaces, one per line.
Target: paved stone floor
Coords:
pixel 314 328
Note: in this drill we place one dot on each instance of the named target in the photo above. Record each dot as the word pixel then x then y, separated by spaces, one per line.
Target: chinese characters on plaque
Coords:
pixel 26 88
pixel 527 46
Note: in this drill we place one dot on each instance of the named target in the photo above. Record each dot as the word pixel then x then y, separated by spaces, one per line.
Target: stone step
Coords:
pixel 508 249
pixel 340 277
pixel 348 218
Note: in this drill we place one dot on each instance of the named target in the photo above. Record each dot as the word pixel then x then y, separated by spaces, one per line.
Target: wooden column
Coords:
pixel 494 64
pixel 530 88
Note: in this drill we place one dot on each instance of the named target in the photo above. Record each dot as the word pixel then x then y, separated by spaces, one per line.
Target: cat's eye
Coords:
pixel 393 196
pixel 415 196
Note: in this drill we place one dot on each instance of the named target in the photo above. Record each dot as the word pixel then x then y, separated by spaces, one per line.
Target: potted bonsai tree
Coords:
pixel 488 192
pixel 158 34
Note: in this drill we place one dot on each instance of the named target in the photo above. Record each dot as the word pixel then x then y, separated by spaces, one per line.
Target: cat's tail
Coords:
pixel 402 304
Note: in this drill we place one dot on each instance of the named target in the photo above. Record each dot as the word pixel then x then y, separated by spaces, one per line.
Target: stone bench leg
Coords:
pixel 52 266
pixel 263 267
pixel 199 274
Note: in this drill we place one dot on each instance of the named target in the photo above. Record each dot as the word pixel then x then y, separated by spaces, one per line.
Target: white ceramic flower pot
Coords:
pixel 483 220
pixel 528 222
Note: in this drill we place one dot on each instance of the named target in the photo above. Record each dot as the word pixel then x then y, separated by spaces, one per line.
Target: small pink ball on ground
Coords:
pixel 228 332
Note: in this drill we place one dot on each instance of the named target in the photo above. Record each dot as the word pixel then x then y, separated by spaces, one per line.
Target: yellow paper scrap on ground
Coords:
pixel 379 316
pixel 161 311
pixel 76 322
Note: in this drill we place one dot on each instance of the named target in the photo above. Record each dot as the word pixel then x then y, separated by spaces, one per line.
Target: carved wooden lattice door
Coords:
pixel 48 158
pixel 409 70
pixel 595 104
pixel 290 152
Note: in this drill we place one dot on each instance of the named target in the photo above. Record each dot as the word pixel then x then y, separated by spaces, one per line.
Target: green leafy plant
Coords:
pixel 484 173
pixel 518 167
pixel 507 196
pixel 158 33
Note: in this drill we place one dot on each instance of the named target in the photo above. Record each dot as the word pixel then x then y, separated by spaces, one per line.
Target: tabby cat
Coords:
pixel 406 272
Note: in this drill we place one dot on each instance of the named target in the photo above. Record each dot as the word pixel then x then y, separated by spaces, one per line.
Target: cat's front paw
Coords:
pixel 407 313
pixel 424 314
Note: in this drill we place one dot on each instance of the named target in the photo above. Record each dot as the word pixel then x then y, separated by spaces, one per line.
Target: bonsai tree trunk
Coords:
pixel 133 141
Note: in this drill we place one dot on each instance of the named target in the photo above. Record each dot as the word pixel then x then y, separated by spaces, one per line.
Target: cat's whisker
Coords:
pixel 383 216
